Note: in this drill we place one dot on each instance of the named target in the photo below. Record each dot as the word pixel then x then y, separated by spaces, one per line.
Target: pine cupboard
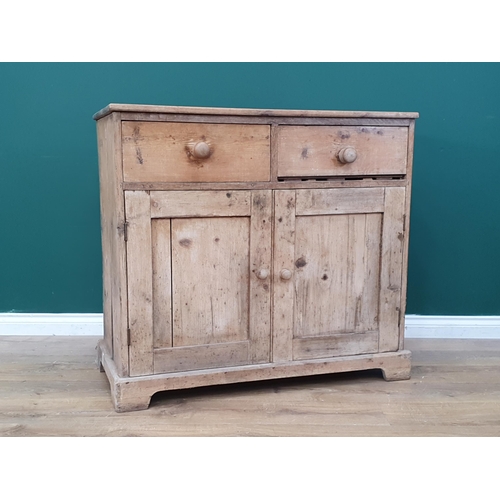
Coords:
pixel 245 244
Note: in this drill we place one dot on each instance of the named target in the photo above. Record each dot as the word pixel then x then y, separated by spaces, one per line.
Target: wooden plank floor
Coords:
pixel 50 386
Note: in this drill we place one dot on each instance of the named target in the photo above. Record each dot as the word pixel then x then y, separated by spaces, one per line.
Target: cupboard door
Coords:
pixel 338 270
pixel 199 279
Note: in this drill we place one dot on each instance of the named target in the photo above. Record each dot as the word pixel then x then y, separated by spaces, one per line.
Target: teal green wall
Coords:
pixel 50 257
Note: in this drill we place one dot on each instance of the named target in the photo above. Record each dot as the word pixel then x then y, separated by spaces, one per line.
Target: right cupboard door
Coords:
pixel 337 272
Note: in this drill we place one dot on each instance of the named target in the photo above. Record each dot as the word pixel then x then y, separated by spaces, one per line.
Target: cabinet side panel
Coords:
pixel 113 244
pixel 391 269
pixel 409 171
pixel 105 153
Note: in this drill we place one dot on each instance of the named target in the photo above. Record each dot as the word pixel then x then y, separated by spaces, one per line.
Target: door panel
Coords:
pixel 210 280
pixel 162 282
pixel 336 274
pixel 198 296
pixel 344 294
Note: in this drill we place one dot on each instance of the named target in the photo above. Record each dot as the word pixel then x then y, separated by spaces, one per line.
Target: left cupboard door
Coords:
pixel 198 277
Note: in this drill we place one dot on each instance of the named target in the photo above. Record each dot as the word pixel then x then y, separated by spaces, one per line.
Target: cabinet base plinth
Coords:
pixel 134 393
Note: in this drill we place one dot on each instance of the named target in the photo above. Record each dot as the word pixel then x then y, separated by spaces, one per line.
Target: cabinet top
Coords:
pixel 146 108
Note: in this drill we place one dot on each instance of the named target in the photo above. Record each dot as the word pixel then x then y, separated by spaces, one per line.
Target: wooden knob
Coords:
pixel 201 150
pixel 285 274
pixel 262 274
pixel 347 155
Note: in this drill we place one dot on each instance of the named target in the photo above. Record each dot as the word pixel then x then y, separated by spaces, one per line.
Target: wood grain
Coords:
pixel 159 152
pixel 406 242
pixel 369 268
pixel 345 344
pixel 265 120
pixel 297 183
pixel 340 201
pixel 107 181
pixel 363 280
pixel 283 291
pixel 140 286
pixel 49 387
pixel 256 248
pixel 391 269
pixel 113 244
pixel 274 153
pixel 313 150
pixel 161 265
pixel 210 280
pixel 196 204
pixel 260 289
pixel 147 108
pixel 336 284
pixel 211 303
pixel 129 393
pixel 320 266
pixel 201 357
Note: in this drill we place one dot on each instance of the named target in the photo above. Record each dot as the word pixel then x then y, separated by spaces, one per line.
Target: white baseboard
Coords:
pixel 452 327
pixel 51 324
pixel 423 327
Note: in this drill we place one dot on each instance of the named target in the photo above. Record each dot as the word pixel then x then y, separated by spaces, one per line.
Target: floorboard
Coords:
pixel 50 386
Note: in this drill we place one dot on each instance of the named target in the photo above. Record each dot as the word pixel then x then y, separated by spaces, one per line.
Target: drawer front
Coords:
pixel 195 152
pixel 318 151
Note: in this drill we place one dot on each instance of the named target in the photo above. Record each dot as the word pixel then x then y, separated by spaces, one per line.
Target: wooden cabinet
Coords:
pixel 251 244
